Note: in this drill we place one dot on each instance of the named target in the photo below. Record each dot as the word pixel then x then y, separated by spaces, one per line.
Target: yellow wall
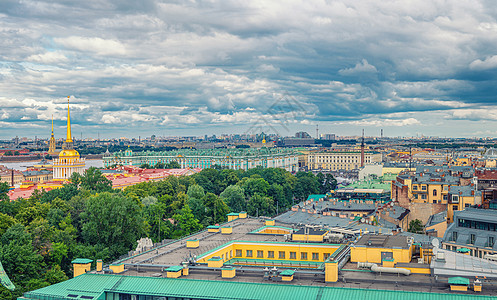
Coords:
pixel 458 288
pixel 331 271
pixel 99 265
pixel 81 268
pixel 269 223
pixel 174 274
pixel 419 270
pixel 192 243
pixel 373 255
pixel 274 231
pixel 463 200
pixel 228 273
pixel 307 238
pixel 226 230
pixel 439 228
pixel 228 251
pixel 117 268
pixel 232 217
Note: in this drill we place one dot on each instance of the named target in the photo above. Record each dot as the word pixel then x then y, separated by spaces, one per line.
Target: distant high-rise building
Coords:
pixel 302 135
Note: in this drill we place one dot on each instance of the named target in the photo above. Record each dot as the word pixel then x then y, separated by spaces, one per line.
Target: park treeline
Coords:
pixel 40 236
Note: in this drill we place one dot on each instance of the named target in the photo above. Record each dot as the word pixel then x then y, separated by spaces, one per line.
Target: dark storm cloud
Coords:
pixel 177 65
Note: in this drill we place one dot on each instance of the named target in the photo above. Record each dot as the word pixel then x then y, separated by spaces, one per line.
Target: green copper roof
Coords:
pixel 174 269
pixel 459 280
pixel 81 261
pixel 287 273
pixel 95 285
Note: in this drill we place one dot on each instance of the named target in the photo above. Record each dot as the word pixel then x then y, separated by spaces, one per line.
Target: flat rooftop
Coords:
pixel 387 241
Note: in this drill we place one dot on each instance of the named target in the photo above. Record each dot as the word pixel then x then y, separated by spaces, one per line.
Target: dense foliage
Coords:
pixel 40 236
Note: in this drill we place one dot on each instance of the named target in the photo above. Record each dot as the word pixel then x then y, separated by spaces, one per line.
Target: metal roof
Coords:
pixel 96 284
pixel 81 261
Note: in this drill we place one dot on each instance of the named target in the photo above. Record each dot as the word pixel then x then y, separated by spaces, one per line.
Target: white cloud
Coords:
pixel 48 57
pixel 92 44
pixel 486 64
pixel 360 68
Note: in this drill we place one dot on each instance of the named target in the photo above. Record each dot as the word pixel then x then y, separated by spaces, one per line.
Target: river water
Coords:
pixel 21 166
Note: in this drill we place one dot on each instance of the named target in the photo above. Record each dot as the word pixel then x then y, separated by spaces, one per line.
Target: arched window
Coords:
pixel 434 192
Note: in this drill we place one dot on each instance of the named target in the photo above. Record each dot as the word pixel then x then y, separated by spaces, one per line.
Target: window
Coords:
pixel 315 256
pixel 454 236
pixel 249 253
pixel 415 196
pixel 231 253
pixel 326 255
pixel 490 241
pixel 260 254
pixel 414 187
pixel 238 253
pixel 293 255
pixel 423 196
pixel 445 197
pixel 472 239
pixel 455 199
pixel 454 207
pixel 434 192
pixel 467 205
pixel 281 254
pixel 270 254
pixel 423 187
pixel 303 256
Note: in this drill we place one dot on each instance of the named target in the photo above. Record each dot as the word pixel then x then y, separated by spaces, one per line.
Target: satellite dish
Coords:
pixel 435 243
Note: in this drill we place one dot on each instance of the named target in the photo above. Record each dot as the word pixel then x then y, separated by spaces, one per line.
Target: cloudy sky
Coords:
pixel 210 67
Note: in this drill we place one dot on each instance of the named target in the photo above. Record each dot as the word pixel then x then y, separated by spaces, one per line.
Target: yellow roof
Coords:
pixel 68 153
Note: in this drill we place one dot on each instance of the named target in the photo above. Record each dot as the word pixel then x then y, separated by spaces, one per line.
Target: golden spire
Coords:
pixel 69 137
pixel 52 125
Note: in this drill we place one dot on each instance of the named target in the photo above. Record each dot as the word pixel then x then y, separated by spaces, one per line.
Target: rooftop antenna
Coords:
pixel 317 131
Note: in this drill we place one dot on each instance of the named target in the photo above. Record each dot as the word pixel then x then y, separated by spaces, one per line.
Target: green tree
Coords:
pixel 216 209
pixel 4 189
pixel 92 180
pixel 186 222
pixel 260 205
pixel 234 197
pixel 6 222
pixel 415 226
pixel 254 185
pixel 327 182
pixel 113 220
pixel 172 165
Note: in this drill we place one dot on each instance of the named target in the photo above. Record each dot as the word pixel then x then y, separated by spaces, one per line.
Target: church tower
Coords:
pixel 69 160
pixel 51 143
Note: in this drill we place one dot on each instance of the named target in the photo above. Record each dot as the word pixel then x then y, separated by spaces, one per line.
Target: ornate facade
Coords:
pixel 68 161
pixel 237 159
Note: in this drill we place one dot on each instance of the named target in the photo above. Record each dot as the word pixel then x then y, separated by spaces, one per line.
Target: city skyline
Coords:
pixel 137 69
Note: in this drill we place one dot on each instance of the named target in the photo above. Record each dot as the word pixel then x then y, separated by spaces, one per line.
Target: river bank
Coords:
pixel 22 165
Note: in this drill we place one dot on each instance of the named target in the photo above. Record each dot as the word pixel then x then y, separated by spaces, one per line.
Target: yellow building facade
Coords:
pixel 341 160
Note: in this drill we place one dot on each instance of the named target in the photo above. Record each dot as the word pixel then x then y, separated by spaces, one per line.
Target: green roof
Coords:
pixel 213 226
pixel 174 269
pixel 463 250
pixel 215 258
pixel 287 273
pixel 459 280
pixel 232 214
pixel 81 261
pixel 95 285
pixel 316 197
pixel 258 230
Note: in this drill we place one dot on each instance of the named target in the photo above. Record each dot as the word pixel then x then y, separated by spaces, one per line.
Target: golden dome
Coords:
pixel 69 153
